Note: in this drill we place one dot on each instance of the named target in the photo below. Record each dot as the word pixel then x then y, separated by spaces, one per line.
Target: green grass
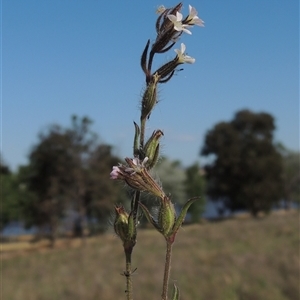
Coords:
pixel 243 259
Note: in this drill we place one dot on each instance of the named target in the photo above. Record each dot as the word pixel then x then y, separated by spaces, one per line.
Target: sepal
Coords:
pixel 182 214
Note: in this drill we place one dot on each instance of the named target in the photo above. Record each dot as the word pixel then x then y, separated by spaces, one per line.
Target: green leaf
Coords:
pixel 136 142
pixel 176 293
pixel 183 213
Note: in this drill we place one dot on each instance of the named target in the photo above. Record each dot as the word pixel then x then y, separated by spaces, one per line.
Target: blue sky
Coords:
pixel 64 57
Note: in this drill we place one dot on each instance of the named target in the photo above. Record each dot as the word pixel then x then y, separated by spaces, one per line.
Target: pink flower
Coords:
pixel 135 174
pixel 114 174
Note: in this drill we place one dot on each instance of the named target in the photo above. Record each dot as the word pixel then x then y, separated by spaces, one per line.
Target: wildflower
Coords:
pixel 166 33
pixel 182 57
pixel 167 70
pixel 192 18
pixel 115 173
pixel 177 21
pixel 135 174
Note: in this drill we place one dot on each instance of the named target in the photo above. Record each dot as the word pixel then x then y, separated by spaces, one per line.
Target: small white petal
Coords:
pixel 189 59
pixel 186 30
pixel 182 48
pixel 135 161
pixel 172 18
pixel 193 11
pixel 179 16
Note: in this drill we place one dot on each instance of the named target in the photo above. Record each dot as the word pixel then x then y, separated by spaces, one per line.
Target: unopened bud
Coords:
pixel 166 217
pixel 124 227
pixel 121 223
pixel 151 149
pixel 150 97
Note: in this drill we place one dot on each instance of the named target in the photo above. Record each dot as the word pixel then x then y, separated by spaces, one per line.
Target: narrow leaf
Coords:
pixel 176 293
pixel 136 142
pixel 144 59
pixel 183 213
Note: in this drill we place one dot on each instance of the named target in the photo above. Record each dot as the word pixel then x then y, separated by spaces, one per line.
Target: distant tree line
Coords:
pixel 68 172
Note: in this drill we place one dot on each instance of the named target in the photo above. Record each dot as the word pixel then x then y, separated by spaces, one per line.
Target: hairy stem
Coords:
pixel 164 295
pixel 128 273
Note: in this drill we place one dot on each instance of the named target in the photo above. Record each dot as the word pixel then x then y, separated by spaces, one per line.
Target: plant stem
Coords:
pixel 164 295
pixel 128 248
pixel 128 273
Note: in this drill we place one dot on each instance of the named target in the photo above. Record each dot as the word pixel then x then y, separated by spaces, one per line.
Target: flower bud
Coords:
pixel 151 149
pixel 121 223
pixel 166 217
pixel 150 97
pixel 124 226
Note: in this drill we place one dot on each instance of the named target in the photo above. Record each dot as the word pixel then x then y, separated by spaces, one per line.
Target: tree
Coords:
pixel 246 169
pixel 194 186
pixel 49 178
pixel 13 195
pixel 9 207
pixel 68 172
pixel 291 175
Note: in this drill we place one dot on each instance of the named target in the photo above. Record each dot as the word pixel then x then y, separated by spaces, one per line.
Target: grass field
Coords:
pixel 243 259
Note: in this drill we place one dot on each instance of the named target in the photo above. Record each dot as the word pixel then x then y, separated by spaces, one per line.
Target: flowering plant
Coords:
pixel 136 173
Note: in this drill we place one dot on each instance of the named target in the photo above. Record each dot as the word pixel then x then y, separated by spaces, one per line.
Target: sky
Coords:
pixel 66 57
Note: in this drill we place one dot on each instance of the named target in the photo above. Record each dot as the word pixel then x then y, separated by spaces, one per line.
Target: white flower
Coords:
pixel 182 57
pixel 177 21
pixel 192 18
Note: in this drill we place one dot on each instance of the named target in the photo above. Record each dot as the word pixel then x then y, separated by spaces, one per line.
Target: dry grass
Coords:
pixel 235 259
